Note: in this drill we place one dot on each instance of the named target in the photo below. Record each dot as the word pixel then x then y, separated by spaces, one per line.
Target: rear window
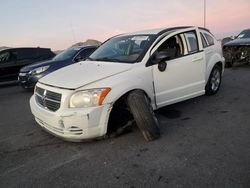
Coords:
pixel 42 51
pixel 26 54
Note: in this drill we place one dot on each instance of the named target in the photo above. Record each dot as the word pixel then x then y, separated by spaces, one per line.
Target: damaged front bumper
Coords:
pixel 236 54
pixel 76 124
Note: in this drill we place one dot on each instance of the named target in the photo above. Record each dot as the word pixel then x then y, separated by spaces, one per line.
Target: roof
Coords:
pixel 158 31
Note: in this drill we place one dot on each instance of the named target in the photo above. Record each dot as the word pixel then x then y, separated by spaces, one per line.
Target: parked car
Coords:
pixel 30 74
pixel 13 59
pixel 226 40
pixel 238 50
pixel 134 74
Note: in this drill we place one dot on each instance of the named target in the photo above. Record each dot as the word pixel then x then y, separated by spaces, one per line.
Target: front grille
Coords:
pixel 48 99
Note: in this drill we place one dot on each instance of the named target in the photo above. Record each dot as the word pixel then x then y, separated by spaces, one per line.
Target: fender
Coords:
pixel 138 77
pixel 216 58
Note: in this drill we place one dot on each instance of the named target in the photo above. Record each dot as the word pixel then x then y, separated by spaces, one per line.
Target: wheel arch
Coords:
pixel 214 60
pixel 120 102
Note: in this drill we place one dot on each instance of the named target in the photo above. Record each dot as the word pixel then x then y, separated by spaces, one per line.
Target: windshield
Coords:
pixel 244 34
pixel 124 49
pixel 66 54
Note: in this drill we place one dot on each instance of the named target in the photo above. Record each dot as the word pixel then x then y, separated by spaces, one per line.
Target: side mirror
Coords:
pixel 160 59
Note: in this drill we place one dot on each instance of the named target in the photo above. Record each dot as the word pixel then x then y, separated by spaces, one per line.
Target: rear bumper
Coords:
pixel 73 124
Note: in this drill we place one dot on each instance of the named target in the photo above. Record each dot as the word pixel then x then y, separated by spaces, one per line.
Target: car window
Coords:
pixel 210 39
pixel 173 46
pixel 244 34
pixel 192 42
pixel 8 56
pixel 122 49
pixel 42 52
pixel 66 54
pixel 4 57
pixel 26 54
pixel 86 52
pixel 203 40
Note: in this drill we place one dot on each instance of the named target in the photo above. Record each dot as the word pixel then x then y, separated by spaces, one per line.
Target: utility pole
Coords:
pixel 205 13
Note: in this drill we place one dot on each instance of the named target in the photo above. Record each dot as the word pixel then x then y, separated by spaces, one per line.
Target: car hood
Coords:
pixel 40 64
pixel 83 73
pixel 238 42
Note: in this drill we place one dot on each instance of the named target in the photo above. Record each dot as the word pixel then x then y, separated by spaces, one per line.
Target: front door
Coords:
pixel 184 76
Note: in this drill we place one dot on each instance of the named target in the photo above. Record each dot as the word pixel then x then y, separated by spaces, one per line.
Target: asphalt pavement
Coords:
pixel 205 143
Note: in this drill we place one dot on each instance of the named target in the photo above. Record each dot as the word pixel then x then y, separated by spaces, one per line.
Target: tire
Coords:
pixel 214 81
pixel 143 114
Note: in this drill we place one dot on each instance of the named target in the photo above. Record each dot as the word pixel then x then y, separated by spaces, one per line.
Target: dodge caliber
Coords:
pixel 126 79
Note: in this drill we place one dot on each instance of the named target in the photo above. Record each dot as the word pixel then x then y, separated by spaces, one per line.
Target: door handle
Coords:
pixel 197 59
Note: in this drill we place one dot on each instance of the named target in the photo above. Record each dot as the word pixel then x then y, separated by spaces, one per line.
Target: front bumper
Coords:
pixel 76 124
pixel 28 81
pixel 239 53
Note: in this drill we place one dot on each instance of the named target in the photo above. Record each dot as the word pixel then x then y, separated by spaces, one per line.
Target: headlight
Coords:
pixel 88 98
pixel 39 70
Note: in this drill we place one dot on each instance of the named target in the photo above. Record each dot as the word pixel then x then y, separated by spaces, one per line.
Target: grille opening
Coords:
pixel 48 99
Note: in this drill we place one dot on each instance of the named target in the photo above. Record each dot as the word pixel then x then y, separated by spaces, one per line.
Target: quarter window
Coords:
pixel 192 42
pixel 210 39
pixel 204 42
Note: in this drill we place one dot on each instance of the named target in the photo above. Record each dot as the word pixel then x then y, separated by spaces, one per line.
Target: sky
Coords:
pixel 57 24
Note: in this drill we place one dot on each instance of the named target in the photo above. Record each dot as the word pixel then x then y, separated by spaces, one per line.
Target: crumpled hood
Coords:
pixel 83 73
pixel 238 42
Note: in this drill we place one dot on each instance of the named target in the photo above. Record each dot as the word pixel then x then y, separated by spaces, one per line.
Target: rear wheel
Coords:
pixel 214 81
pixel 143 114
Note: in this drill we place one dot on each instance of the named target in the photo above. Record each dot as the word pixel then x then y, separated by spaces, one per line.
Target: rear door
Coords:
pixel 208 43
pixel 184 76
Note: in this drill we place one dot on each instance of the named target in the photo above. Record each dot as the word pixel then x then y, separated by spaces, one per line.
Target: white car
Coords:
pixel 128 76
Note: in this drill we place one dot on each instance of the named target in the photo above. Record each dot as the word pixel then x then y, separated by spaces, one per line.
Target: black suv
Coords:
pixel 13 59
